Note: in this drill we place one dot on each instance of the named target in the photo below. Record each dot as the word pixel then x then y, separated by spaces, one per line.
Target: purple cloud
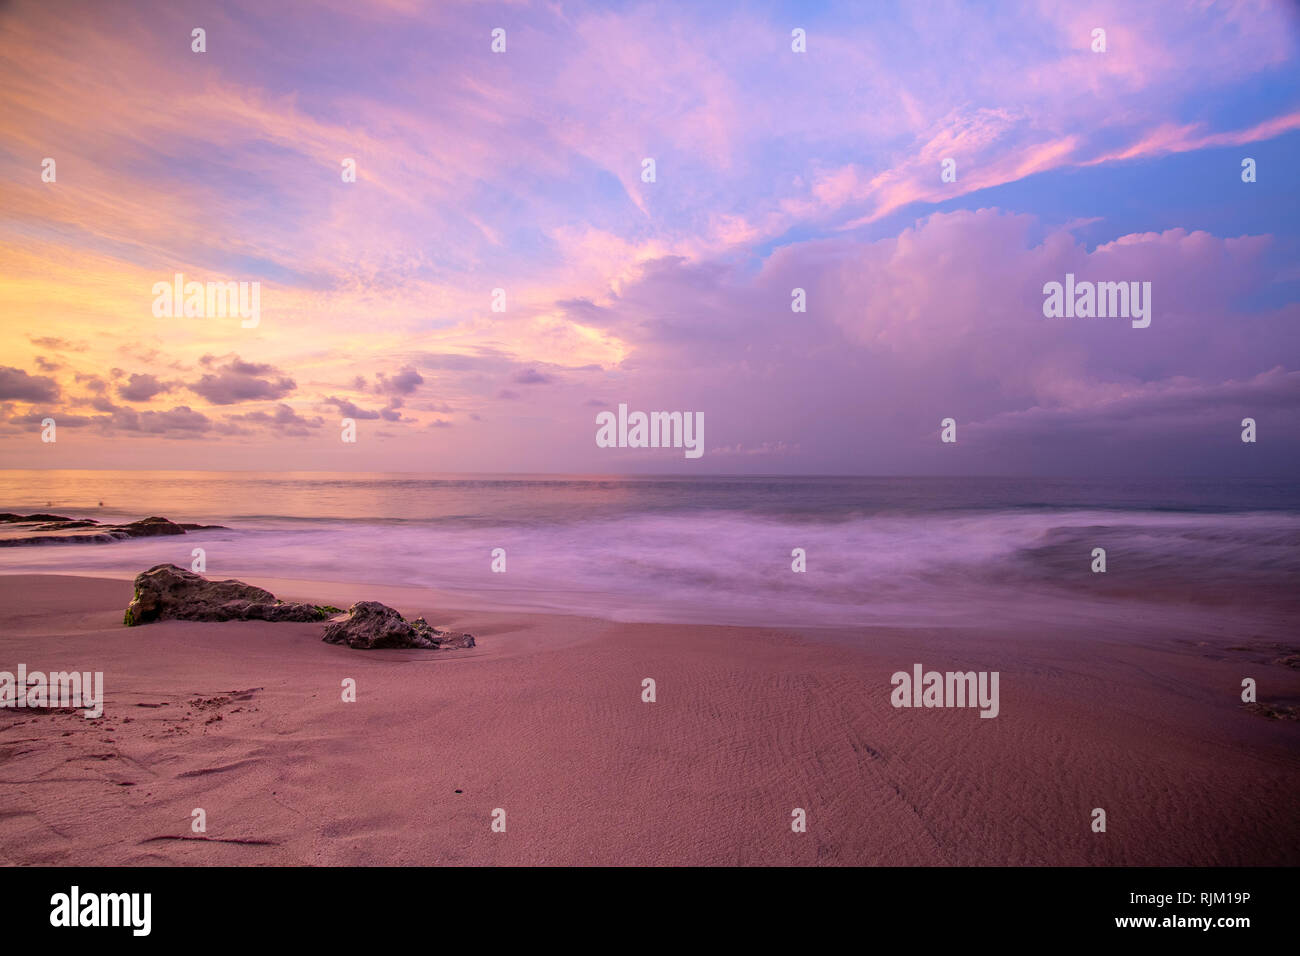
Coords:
pixel 530 376
pixel 17 385
pixel 240 381
pixel 406 381
pixel 141 388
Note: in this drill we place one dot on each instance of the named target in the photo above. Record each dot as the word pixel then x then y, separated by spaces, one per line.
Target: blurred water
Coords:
pixel 899 551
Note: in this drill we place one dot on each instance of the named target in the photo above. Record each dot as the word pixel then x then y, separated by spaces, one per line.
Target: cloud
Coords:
pixel 530 376
pixel 284 420
pixel 182 420
pixel 56 344
pixel 179 422
pixel 349 409
pixel 17 385
pixel 406 381
pixel 155 357
pixel 141 388
pixel 1161 408
pixel 946 319
pixel 62 420
pixel 240 381
pixel 441 407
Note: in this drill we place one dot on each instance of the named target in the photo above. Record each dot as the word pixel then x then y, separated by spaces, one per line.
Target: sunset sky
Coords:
pixel 774 170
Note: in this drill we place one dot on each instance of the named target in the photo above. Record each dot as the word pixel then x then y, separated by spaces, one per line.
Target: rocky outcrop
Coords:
pixel 166 592
pixel 371 625
pixel 150 528
pixel 56 529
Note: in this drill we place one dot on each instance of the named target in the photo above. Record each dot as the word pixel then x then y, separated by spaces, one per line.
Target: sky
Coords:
pixel 774 170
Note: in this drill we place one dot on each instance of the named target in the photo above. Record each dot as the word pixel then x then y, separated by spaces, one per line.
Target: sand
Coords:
pixel 545 720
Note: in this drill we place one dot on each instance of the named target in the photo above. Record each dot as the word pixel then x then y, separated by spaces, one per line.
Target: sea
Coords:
pixel 876 551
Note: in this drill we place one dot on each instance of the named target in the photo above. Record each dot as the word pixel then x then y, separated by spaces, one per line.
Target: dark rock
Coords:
pixel 371 625
pixel 150 528
pixel 166 592
pixel 98 536
pixel 444 640
pixel 90 531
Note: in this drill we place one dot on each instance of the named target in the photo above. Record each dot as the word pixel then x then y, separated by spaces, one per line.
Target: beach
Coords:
pixel 545 720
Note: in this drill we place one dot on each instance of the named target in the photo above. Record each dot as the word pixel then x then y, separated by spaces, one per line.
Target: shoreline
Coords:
pixel 544 718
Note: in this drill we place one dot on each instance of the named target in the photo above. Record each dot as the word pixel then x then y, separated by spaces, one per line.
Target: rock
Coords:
pixel 166 592
pixel 150 528
pixel 443 640
pixel 54 529
pixel 371 625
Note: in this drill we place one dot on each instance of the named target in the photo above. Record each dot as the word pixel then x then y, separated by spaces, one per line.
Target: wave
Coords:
pixel 734 567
